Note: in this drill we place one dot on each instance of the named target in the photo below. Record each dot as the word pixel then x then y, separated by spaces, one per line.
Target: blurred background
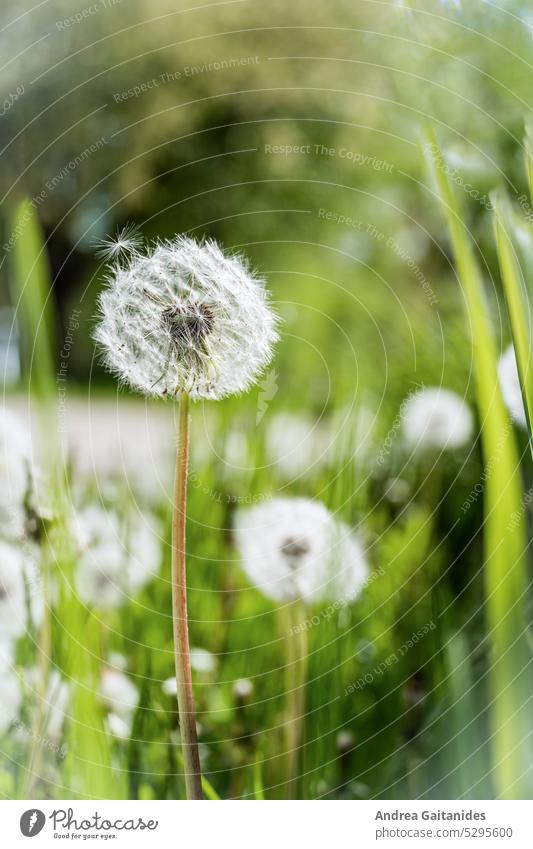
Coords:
pixel 290 132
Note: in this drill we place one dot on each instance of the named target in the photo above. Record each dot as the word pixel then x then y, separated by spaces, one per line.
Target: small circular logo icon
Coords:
pixel 32 822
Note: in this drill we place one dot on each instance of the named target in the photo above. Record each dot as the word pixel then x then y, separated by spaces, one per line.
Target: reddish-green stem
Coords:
pixel 191 758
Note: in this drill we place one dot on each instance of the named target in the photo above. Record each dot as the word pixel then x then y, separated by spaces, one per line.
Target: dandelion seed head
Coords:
pixel 116 558
pixel 510 386
pixel 436 418
pixel 294 548
pixel 119 726
pixel 185 317
pixel 118 692
pixel 243 689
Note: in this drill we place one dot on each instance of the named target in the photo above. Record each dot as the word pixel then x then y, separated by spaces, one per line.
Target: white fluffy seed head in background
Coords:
pixel 119 694
pixel 436 418
pixel 185 317
pixel 116 559
pixel 295 549
pixel 510 386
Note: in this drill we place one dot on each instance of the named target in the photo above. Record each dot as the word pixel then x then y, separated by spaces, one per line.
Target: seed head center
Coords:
pixel 189 323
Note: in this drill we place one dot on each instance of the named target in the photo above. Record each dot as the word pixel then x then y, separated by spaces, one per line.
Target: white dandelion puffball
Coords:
pixel 116 559
pixel 185 317
pixel 203 660
pixel 119 694
pixel 243 688
pixel 294 443
pixel 13 612
pixel 294 548
pixel 119 726
pixel 510 386
pixel 436 418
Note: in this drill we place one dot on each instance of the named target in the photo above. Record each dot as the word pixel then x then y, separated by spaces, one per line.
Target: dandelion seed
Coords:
pixel 128 241
pixel 436 418
pixel 294 549
pixel 510 386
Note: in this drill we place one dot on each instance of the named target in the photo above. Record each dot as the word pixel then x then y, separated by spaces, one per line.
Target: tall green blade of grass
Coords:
pixel 75 642
pixel 31 292
pixel 528 148
pixel 504 538
pixel 514 287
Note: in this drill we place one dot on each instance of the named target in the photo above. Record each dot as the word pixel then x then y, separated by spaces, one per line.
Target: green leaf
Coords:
pixel 504 527
pixel 515 290
pixel 31 291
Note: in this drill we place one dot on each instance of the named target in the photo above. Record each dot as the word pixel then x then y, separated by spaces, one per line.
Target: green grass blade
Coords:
pixel 209 790
pixel 528 147
pixel 504 538
pixel 31 291
pixel 514 287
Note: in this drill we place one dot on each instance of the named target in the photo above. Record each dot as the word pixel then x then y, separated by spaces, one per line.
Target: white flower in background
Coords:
pixel 349 435
pixel 184 317
pixel 118 660
pixel 119 726
pixel 294 548
pixel 11 698
pixel 345 741
pixel 436 418
pixel 13 613
pixel 294 443
pixel 243 689
pixel 15 472
pixel 169 686
pixel 203 661
pixel 510 386
pixel 116 560
pixel 120 697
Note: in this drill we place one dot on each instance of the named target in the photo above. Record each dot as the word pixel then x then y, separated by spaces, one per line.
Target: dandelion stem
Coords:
pixel 296 674
pixel 191 758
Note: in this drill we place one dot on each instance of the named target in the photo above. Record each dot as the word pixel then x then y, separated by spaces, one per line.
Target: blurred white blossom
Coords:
pixel 436 418
pixel 510 386
pixel 120 697
pixel 294 548
pixel 117 559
